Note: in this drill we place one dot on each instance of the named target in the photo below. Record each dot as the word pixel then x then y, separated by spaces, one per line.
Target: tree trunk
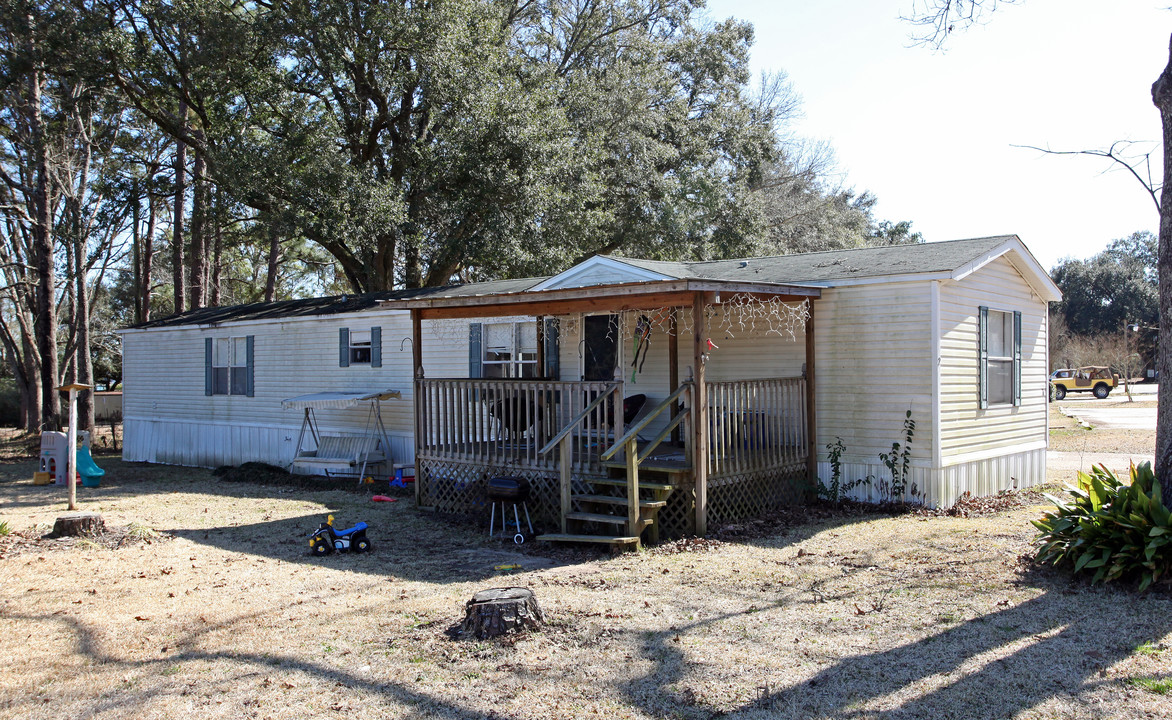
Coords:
pixel 83 361
pixel 46 317
pixel 218 252
pixel 82 523
pixel 148 253
pixel 1162 97
pixel 274 259
pixel 498 611
pixel 136 249
pixel 198 225
pixel 180 269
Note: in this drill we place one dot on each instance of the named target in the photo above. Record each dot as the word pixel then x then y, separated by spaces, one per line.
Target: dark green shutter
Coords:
pixel 1016 357
pixel 983 356
pixel 343 347
pixel 552 369
pixel 209 380
pixel 249 382
pixel 376 347
pixel 475 366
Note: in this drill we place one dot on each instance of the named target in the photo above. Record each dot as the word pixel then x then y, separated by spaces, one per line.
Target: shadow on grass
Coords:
pixel 88 645
pixel 990 667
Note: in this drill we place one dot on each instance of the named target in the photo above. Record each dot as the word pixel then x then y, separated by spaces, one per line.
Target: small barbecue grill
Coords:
pixel 515 489
pixel 510 490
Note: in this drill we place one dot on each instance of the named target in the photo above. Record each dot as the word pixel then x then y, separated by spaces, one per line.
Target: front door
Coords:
pixel 600 351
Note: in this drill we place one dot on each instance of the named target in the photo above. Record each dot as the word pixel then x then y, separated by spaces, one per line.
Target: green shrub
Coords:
pixel 1116 530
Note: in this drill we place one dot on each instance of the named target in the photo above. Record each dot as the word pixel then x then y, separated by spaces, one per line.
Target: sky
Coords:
pixel 932 133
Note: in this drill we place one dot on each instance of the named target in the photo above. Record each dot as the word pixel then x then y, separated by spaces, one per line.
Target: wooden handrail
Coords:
pixel 577 419
pixel 634 431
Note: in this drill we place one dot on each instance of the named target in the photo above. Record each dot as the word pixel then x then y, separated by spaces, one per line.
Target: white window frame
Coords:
pixel 233 366
pixel 1003 362
pixel 520 360
pixel 360 347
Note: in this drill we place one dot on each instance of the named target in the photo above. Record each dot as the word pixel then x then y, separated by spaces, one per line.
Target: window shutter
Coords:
pixel 208 380
pixel 983 356
pixel 552 368
pixel 376 347
pixel 343 347
pixel 475 357
pixel 249 382
pixel 1017 357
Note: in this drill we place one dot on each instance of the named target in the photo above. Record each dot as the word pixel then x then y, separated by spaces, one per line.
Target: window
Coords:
pixel 1000 357
pixel 509 350
pixel 360 347
pixel 228 366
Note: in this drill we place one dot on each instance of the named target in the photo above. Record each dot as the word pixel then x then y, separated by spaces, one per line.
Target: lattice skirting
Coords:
pixel 458 487
pixel 747 495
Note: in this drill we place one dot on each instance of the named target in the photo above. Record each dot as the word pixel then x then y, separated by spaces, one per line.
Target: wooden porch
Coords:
pixel 567 439
pixel 705 452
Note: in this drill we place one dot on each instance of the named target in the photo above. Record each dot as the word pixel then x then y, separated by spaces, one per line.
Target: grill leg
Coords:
pixel 527 520
pixel 492 518
pixel 517 519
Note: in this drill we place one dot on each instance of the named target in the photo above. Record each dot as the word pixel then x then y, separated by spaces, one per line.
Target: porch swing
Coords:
pixel 340 455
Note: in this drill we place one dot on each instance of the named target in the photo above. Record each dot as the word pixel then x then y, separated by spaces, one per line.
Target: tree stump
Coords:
pixel 497 611
pixel 82 523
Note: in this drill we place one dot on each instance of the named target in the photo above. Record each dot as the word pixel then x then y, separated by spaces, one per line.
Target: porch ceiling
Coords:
pixel 446 303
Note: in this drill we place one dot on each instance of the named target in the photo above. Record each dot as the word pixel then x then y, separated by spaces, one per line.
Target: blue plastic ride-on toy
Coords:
pixel 326 539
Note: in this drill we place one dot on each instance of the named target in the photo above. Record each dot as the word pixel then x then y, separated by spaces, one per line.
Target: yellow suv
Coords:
pixel 1092 378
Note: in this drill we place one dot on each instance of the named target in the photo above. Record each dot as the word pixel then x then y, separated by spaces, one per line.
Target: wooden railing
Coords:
pixel 756 425
pixel 505 423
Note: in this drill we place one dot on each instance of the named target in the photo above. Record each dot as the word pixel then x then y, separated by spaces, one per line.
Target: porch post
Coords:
pixel 540 348
pixel 673 365
pixel 416 393
pixel 700 414
pixel 811 405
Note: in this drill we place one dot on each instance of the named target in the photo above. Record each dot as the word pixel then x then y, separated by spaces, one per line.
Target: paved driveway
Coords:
pixel 1117 414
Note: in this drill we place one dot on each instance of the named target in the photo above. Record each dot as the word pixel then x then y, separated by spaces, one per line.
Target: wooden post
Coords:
pixel 811 405
pixel 567 457
pixel 700 413
pixel 633 528
pixel 416 395
pixel 541 347
pixel 673 366
pixel 71 467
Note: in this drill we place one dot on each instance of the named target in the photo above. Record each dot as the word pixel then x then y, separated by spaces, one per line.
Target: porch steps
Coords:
pixel 603 514
pixel 646 466
pixel 604 539
pixel 615 500
pixel 622 483
pixel 597 518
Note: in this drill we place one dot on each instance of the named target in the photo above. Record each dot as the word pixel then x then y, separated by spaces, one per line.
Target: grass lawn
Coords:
pixel 224 614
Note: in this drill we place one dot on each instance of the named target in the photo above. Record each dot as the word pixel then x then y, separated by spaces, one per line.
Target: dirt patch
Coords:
pixel 113 538
pixel 814 613
pixel 969 506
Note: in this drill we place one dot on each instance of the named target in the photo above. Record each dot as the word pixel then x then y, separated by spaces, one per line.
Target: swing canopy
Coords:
pixel 339 399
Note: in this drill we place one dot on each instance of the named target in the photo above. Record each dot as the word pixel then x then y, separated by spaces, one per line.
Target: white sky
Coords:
pixel 931 133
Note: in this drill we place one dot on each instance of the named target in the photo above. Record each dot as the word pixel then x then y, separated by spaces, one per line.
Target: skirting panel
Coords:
pixel 194 444
pixel 942 487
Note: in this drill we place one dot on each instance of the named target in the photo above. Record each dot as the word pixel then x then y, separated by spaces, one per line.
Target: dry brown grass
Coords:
pixel 1066 435
pixel 226 616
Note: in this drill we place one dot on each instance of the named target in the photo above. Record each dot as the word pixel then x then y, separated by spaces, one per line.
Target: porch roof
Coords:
pixel 476 301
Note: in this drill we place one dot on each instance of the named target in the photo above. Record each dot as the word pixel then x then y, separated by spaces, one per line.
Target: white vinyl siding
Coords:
pixel 169 419
pixel 968 431
pixel 874 363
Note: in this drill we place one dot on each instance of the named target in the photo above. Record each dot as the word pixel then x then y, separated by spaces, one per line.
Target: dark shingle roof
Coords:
pixel 332 305
pixel 826 267
pixel 822 268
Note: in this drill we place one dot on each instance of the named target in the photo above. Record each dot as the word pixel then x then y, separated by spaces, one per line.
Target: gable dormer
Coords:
pixel 599 270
